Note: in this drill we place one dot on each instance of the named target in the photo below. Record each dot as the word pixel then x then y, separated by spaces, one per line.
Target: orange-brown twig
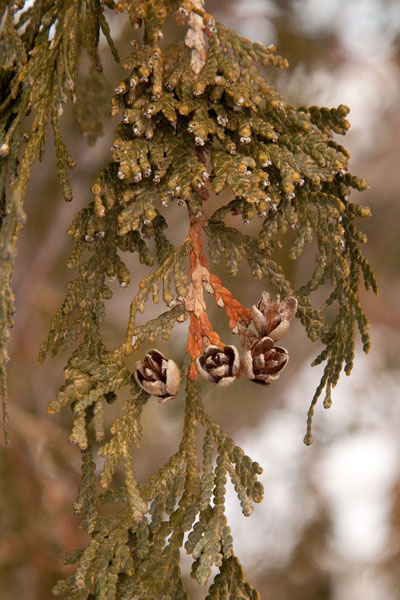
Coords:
pixel 200 329
pixel 201 332
pixel 234 310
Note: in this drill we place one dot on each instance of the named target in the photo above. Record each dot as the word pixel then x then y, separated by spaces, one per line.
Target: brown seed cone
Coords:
pixel 219 365
pixel 264 362
pixel 158 376
pixel 272 318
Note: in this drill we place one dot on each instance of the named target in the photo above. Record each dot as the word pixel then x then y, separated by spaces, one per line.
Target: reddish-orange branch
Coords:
pixel 201 332
pixel 234 310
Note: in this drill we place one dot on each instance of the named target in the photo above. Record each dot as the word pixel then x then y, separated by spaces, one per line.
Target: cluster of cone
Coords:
pixel 262 361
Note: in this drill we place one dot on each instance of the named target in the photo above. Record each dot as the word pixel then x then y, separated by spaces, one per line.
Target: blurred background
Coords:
pixel 329 525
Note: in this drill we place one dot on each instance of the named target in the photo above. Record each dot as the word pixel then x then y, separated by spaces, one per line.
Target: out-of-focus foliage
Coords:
pixel 39 49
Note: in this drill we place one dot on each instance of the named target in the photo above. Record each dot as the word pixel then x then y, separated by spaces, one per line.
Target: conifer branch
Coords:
pixel 193 122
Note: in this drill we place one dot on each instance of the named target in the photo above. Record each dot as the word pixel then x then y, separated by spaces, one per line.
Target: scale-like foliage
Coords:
pixel 197 119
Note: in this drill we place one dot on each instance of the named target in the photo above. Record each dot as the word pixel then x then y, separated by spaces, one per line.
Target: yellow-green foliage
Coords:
pixel 180 138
